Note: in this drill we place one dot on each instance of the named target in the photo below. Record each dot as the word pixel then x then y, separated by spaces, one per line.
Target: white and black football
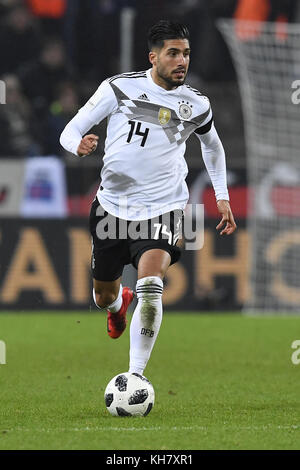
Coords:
pixel 129 394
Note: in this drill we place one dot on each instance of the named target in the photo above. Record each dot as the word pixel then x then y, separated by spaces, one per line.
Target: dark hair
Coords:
pixel 165 29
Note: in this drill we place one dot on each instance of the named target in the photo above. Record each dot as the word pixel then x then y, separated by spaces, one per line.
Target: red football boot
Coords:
pixel 116 322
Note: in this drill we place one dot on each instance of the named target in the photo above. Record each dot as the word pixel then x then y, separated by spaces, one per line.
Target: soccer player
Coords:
pixel 150 114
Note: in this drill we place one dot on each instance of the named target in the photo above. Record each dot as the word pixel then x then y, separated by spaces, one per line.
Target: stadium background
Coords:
pixel 54 54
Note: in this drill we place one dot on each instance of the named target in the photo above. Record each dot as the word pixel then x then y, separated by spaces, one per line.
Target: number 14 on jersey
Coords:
pixel 135 128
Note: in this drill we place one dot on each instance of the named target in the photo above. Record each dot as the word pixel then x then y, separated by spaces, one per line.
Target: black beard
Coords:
pixel 170 82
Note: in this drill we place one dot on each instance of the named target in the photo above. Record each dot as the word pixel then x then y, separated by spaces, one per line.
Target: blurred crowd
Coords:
pixel 54 54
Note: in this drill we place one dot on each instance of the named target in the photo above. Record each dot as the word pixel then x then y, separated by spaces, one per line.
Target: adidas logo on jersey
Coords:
pixel 143 97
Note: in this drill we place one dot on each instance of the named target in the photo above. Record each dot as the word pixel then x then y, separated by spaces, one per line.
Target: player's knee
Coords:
pixel 160 272
pixel 154 263
pixel 157 272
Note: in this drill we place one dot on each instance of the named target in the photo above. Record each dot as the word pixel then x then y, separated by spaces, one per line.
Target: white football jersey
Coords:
pixel 144 168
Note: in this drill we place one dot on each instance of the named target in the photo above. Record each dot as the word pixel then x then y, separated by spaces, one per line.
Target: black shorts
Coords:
pixel 111 254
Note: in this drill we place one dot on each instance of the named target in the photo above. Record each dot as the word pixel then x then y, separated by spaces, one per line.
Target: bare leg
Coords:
pixel 106 292
pixel 154 263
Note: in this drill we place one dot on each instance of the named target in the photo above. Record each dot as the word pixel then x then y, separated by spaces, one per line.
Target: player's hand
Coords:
pixel 227 218
pixel 87 145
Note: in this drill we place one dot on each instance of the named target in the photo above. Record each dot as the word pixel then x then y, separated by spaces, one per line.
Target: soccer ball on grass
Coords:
pixel 129 394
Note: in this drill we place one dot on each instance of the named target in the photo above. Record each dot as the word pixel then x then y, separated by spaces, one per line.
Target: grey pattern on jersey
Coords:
pixel 175 129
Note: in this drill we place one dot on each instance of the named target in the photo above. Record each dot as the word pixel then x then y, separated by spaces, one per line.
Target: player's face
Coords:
pixel 170 63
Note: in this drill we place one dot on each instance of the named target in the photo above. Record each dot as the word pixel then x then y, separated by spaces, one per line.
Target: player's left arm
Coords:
pixel 215 162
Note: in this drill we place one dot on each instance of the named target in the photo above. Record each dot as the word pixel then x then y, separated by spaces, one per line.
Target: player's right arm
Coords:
pixel 99 106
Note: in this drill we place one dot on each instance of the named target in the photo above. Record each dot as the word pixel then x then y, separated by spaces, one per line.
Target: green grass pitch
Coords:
pixel 221 382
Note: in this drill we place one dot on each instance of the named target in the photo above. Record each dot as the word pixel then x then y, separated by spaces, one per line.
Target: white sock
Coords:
pixel 145 322
pixel 115 306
